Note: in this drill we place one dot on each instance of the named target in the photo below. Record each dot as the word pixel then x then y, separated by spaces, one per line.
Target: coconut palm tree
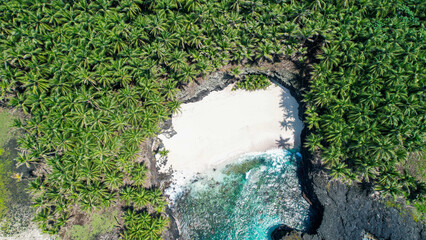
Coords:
pixel 114 180
pixel 139 174
pixel 140 198
pixel 127 194
pixel 313 142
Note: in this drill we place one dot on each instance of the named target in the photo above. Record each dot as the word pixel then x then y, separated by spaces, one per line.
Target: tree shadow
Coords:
pixel 289 106
pixel 284 143
pixel 293 110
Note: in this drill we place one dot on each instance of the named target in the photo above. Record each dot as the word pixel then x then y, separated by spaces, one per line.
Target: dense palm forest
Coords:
pixel 96 78
pixel 366 103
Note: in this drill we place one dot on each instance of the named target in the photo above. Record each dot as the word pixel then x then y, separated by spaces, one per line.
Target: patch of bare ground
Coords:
pixel 415 165
pixel 82 218
pixel 146 157
pixel 280 64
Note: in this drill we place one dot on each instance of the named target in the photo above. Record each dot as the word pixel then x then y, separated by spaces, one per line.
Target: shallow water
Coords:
pixel 244 200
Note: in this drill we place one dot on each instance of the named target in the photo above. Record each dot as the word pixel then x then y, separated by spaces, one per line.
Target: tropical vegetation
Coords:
pixel 253 82
pixel 366 104
pixel 95 79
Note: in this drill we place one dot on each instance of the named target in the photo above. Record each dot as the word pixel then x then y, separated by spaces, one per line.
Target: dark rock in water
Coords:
pixel 293 235
pixel 285 233
pixel 349 213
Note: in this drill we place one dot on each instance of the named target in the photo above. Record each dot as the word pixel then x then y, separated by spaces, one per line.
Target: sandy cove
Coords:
pixel 227 124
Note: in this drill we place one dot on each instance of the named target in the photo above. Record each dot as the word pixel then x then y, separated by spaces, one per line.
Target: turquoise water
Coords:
pixel 244 200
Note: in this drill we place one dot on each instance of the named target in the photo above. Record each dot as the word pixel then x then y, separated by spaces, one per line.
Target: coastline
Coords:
pixel 284 73
pixel 228 124
pixel 313 178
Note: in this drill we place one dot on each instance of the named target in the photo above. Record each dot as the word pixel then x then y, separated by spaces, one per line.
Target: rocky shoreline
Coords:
pixel 338 211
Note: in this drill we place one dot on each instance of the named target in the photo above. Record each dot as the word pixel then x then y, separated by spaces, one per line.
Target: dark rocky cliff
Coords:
pixel 351 213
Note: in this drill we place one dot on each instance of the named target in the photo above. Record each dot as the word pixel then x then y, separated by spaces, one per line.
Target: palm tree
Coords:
pixel 331 57
pixel 383 150
pixel 188 74
pixel 104 159
pixel 157 23
pixel 119 123
pixel 89 172
pixel 114 180
pixel 312 119
pixel 18 102
pixel 139 174
pixel 340 171
pixel 195 37
pixel 162 222
pixel 127 194
pixel 130 7
pixel 99 77
pixel 88 203
pixel 128 96
pixel 332 155
pixel 169 89
pixel 140 198
pixel 80 116
pixel 366 171
pixel 155 197
pixel 36 186
pixel 313 142
pixel 152 231
pixel 265 50
pixel 25 158
pixel 391 188
pixel 177 60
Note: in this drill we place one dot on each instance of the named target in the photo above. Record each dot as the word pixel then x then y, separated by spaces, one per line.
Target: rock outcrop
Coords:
pixel 351 213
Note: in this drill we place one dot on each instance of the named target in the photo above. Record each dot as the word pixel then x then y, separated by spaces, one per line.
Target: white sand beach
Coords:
pixel 228 124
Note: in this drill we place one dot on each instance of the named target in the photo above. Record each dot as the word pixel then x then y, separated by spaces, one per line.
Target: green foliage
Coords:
pixel 139 174
pixel 6 120
pixel 141 225
pixel 366 104
pixel 417 210
pixel 253 82
pixel 97 78
pixel 420 210
pixel 235 71
pixel 81 232
pixel 163 152
pixel 99 224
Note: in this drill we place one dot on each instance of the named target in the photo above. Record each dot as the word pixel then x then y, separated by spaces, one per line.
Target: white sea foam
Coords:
pixel 244 205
